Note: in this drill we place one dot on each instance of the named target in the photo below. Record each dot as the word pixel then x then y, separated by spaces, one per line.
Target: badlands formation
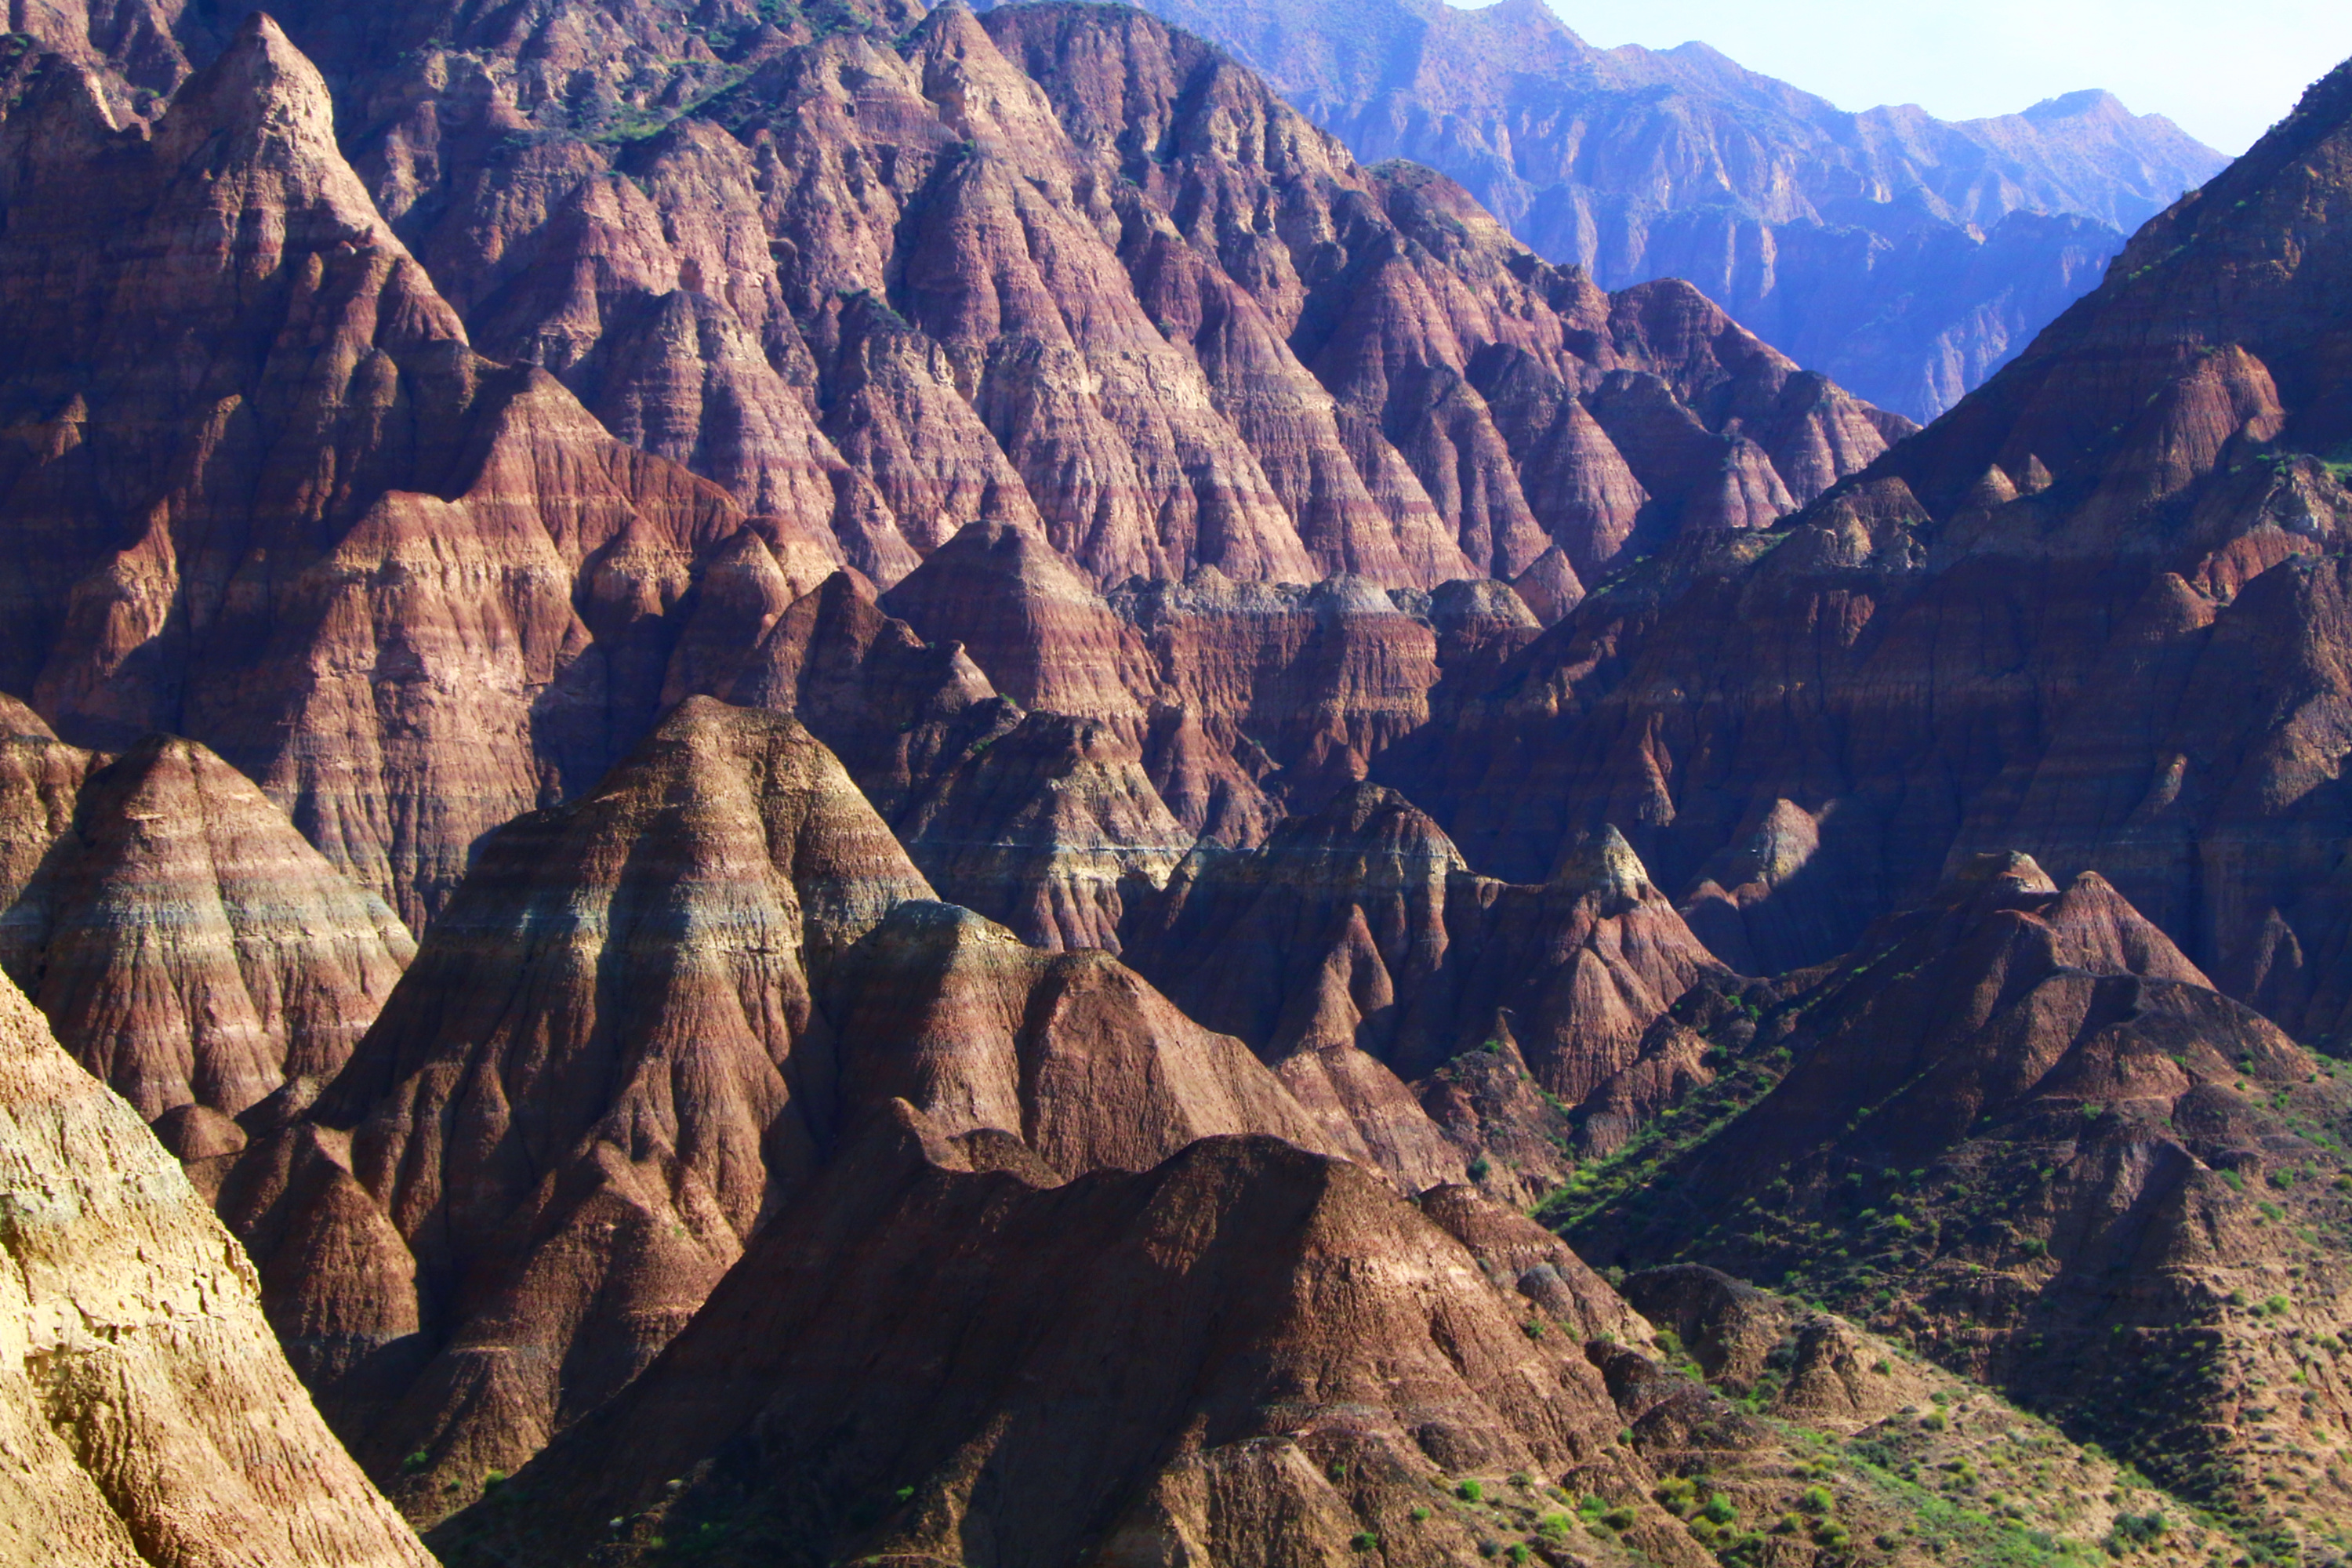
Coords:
pixel 788 785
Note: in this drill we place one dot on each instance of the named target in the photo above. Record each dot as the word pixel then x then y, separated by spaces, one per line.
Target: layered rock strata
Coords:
pixel 630 1044
pixel 187 945
pixel 2091 614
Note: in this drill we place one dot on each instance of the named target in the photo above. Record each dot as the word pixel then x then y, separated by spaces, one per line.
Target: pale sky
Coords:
pixel 2223 69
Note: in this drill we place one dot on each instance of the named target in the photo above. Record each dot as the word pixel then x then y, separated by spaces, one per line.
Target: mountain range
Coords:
pixel 851 784
pixel 1905 257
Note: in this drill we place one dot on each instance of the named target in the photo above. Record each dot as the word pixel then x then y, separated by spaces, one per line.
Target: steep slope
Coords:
pixel 874 282
pixel 1334 1371
pixel 1436 334
pixel 628 1045
pixel 1904 256
pixel 148 1415
pixel 1361 926
pixel 261 494
pixel 186 944
pixel 2016 1126
pixel 588 1089
pixel 817 284
pixel 2091 614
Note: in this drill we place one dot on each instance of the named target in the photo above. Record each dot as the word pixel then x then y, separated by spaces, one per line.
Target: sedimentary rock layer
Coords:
pixel 187 945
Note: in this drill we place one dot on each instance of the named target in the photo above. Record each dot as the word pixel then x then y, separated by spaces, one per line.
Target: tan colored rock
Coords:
pixel 149 1416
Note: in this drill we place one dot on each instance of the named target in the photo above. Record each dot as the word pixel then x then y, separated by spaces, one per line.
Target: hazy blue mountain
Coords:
pixel 1904 255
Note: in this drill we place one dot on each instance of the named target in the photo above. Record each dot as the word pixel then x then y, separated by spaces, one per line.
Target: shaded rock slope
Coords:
pixel 146 1414
pixel 262 494
pixel 547 357
pixel 1337 1372
pixel 187 945
pixel 2017 1128
pixel 1906 256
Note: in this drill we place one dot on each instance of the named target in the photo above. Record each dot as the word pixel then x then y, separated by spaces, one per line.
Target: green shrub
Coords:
pixel 1816 1499
pixel 1468 1492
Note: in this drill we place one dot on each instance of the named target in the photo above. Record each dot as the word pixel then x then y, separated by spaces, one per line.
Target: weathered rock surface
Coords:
pixel 263 495
pixel 628 1045
pixel 190 948
pixel 872 282
pixel 603 1066
pixel 148 1414
pixel 1334 1371
pixel 2055 1159
pixel 1906 256
pixel 1361 926
pixel 984 1403
pixel 1074 1055
pixel 2091 614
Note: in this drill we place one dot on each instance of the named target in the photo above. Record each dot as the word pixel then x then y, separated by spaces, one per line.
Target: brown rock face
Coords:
pixel 598 1075
pixel 2050 1142
pixel 1045 639
pixel 628 1046
pixel 1906 255
pixel 1356 953
pixel 1361 925
pixel 148 1414
pixel 877 284
pixel 1233 1261
pixel 406 590
pixel 194 951
pixel 1074 1055
pixel 1333 1370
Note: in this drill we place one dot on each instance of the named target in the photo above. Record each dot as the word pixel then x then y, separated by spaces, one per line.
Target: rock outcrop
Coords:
pixel 1361 926
pixel 604 1065
pixel 187 945
pixel 871 282
pixel 147 1413
pixel 1289 1405
pixel 1335 1370
pixel 263 495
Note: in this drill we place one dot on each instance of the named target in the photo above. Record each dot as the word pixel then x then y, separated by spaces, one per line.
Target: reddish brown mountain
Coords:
pixel 936 1350
pixel 884 283
pixel 1362 927
pixel 2017 1127
pixel 146 1416
pixel 185 942
pixel 263 496
pixel 626 1046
